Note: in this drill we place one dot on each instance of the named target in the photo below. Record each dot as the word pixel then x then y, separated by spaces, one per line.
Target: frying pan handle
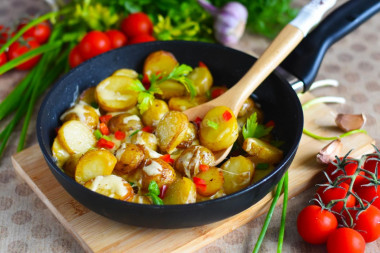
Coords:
pixel 305 60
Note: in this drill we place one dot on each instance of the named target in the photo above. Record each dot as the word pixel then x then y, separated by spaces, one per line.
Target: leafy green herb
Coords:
pixel 179 74
pixel 212 124
pixel 252 129
pixel 154 191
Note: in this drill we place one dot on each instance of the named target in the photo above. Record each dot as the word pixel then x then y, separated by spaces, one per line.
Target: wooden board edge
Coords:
pixel 48 204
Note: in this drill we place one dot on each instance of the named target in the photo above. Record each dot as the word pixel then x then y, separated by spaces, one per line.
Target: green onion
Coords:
pixel 98 134
pixel 283 215
pixel 134 132
pixel 212 124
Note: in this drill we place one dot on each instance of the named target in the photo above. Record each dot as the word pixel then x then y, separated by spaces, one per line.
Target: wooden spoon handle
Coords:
pixel 279 49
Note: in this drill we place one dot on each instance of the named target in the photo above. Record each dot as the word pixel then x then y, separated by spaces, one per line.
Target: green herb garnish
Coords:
pixel 98 134
pixel 212 124
pixel 134 132
pixel 154 191
pixel 252 129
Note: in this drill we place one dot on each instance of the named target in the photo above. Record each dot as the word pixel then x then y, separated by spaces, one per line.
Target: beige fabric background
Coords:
pixel 26 225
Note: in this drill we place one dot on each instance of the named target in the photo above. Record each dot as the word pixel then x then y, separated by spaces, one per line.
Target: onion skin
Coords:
pixel 230 21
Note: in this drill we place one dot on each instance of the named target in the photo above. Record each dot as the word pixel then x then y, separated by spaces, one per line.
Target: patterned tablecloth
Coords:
pixel 26 225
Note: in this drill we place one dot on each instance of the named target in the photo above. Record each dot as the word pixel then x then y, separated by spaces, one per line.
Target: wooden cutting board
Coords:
pixel 99 234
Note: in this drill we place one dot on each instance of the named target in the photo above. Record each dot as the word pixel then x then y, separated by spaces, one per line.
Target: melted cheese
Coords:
pixel 129 118
pixel 153 169
pixel 113 184
pixel 78 110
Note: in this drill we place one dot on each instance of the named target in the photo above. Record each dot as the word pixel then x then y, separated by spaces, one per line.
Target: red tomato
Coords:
pixel 334 194
pixel 74 57
pixel 41 32
pixel 3 58
pixel 371 163
pixel 137 24
pixel 350 169
pixel 368 193
pixel 345 240
pixel 3 34
pixel 314 224
pixel 93 44
pixel 117 38
pixel 141 39
pixel 16 49
pixel 367 223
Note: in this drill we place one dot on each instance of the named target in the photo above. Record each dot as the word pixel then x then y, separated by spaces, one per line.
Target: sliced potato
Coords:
pixel 262 151
pixel 218 194
pixel 130 157
pixel 113 94
pixel 88 96
pixel 213 178
pixel 157 170
pixel 216 133
pixel 159 62
pixel 71 164
pixel 126 72
pixel 238 173
pixel 111 186
pixel 171 88
pixel 183 103
pixel 156 111
pixel 247 107
pixel 146 139
pixel 124 122
pixel 59 152
pixel 140 199
pixel 191 158
pixel 260 173
pixel 76 137
pixel 84 113
pixel 181 191
pixel 94 163
pixel 190 137
pixel 202 79
pixel 171 130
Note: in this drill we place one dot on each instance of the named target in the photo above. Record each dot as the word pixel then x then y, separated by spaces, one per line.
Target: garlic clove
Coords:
pixel 328 153
pixel 349 122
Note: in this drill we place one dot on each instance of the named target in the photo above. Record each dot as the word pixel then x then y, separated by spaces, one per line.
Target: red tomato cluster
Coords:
pixel 355 206
pixel 31 39
pixel 135 28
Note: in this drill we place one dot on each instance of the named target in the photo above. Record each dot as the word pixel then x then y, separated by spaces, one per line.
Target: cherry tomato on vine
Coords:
pixel 368 192
pixel 137 24
pixel 338 192
pixel 4 34
pixel 345 240
pixel 117 38
pixel 141 39
pixel 350 169
pixel 41 32
pixel 74 57
pixel 93 44
pixel 314 224
pixel 3 58
pixel 371 163
pixel 17 49
pixel 367 223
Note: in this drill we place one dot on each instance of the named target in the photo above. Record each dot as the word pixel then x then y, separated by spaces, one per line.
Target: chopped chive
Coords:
pixel 107 138
pixel 98 134
pixel 212 124
pixel 134 132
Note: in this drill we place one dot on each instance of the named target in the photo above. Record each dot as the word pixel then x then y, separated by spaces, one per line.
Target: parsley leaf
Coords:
pixel 252 129
pixel 179 74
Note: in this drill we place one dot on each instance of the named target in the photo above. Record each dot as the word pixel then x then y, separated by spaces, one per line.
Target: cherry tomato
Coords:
pixel 4 34
pixel 350 168
pixel 345 240
pixel 141 39
pixel 367 223
pixel 371 163
pixel 339 192
pixel 41 32
pixel 74 57
pixel 3 58
pixel 314 224
pixel 368 193
pixel 93 44
pixel 137 24
pixel 16 49
pixel 117 38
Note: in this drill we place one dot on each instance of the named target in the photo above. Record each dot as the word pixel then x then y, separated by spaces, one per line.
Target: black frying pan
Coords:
pixel 278 99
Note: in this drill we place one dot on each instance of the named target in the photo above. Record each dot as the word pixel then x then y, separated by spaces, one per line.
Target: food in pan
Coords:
pixel 128 138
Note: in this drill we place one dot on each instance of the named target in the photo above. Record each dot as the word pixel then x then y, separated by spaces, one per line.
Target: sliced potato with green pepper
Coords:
pixel 114 94
pixel 159 62
pixel 76 137
pixel 238 173
pixel 94 163
pixel 111 186
pixel 262 150
pixel 202 79
pixel 219 129
pixel 181 191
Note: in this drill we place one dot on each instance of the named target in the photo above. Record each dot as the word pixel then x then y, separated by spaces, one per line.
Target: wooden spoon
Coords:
pixel 290 36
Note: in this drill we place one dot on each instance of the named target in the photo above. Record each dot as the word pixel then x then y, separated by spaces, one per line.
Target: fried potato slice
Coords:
pixel 181 191
pixel 60 154
pixel 76 137
pixel 94 163
pixel 126 72
pixel 238 173
pixel 114 94
pixel 262 151
pixel 213 178
pixel 159 62
pixel 111 186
